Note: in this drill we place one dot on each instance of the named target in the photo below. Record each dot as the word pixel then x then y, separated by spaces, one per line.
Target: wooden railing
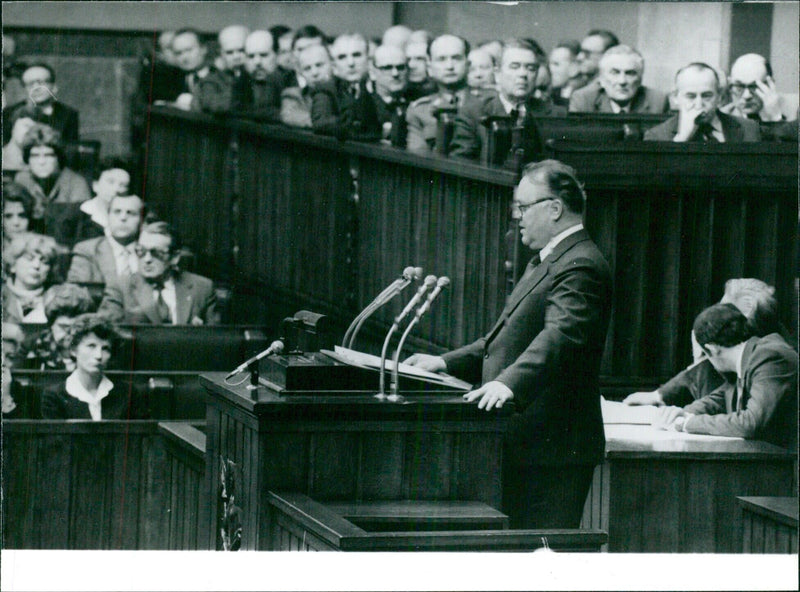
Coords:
pixel 292 220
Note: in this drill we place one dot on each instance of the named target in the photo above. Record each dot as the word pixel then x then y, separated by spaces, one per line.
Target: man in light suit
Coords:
pixel 516 80
pixel 544 354
pixel 160 292
pixel 759 397
pixel 619 87
pixel 697 93
pixel 111 258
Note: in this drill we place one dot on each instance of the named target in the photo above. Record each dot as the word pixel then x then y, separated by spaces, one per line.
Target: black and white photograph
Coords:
pixel 480 295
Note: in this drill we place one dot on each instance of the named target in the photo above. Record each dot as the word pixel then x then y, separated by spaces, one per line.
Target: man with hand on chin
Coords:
pixel 544 355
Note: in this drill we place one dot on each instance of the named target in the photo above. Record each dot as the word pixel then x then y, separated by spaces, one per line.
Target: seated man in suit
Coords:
pixel 261 98
pixel 160 292
pixel 753 93
pixel 389 74
pixel 620 87
pixel 225 89
pixel 564 69
pixel 517 81
pixel 697 93
pixel 448 69
pixel 42 105
pixel 344 107
pixel 315 68
pixel 110 259
pixel 759 397
pixel 419 82
pixel 592 48
pixel 190 57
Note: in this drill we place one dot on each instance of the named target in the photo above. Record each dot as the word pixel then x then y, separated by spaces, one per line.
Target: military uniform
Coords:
pixel 421 116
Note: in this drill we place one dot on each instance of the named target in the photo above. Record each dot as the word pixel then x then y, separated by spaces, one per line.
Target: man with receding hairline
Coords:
pixel 227 89
pixel 389 74
pixel 314 68
pixel 753 93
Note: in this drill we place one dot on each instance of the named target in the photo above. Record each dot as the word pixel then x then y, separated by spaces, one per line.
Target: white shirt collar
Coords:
pixel 548 248
pixel 123 253
pixel 617 108
pixel 76 389
pixel 507 105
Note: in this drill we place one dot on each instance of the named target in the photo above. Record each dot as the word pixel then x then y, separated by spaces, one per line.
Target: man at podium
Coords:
pixel 544 354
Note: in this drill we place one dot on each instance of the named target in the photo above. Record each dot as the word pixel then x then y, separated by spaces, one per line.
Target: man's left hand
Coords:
pixel 771 99
pixel 492 394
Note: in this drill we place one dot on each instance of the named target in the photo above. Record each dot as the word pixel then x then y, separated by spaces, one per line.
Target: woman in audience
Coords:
pixel 88 393
pixel 48 180
pixel 27 262
pixel 12 341
pixel 63 303
pixel 17 211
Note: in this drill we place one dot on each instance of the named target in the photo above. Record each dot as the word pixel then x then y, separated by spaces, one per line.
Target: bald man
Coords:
pixel 397 36
pixel 753 93
pixel 389 74
pixel 227 89
pixel 315 68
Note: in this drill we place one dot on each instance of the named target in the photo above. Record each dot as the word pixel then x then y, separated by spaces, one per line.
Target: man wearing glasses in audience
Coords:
pixel 593 46
pixel 517 80
pixel 42 105
pixel 389 74
pixel 160 292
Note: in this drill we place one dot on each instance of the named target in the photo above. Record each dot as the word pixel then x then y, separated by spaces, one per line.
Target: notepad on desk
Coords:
pixel 616 412
pixel 364 360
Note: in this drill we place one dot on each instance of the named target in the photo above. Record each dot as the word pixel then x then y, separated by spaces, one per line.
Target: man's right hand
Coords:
pixel 686 124
pixel 650 398
pixel 427 362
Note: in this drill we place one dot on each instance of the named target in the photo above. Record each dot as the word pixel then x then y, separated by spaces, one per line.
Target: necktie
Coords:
pixel 705 133
pixel 191 81
pixel 354 90
pixel 521 111
pixel 162 308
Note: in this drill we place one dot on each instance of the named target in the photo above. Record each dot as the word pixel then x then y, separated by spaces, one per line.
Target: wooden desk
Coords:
pixel 770 524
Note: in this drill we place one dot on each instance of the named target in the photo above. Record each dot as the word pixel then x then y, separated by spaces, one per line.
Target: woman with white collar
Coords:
pixel 88 393
pixel 28 261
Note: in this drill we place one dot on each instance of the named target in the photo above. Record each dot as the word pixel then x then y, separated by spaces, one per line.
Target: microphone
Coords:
pixel 275 348
pixel 440 285
pixel 409 275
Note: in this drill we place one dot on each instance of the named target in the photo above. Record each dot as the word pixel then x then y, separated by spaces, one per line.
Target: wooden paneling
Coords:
pixel 769 524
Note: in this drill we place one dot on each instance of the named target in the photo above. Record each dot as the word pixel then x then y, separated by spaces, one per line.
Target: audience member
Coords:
pixel 110 258
pixel 89 219
pixel 448 69
pixel 593 46
pixel 620 87
pixel 262 101
pixel 419 84
pixel 388 72
pixel 13 89
pixel 13 338
pixel 344 107
pixel 12 152
pixel 42 105
pixel 420 36
pixel 697 94
pixel 480 69
pixel 48 180
pixel 227 88
pixel 28 262
pixel 282 37
pixel 753 93
pixel 315 68
pixel 397 36
pixel 303 38
pixel 87 392
pixel 759 397
pixel 160 292
pixel 494 47
pixel 17 211
pixel 190 57
pixel 564 71
pixel 516 80
pixel 63 303
pixel 756 300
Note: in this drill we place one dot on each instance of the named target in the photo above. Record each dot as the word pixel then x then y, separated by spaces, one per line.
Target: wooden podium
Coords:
pixel 340 447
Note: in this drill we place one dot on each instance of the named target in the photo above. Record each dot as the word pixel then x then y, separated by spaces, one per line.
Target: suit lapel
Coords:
pixel 183 300
pixel 143 294
pixel 731 129
pixel 105 259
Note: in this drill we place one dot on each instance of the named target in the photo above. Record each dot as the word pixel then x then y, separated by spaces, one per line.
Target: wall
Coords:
pixel 785 46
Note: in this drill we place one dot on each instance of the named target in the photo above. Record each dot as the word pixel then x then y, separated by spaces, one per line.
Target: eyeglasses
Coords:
pixel 738 88
pixel 522 208
pixel 160 254
pixel 390 67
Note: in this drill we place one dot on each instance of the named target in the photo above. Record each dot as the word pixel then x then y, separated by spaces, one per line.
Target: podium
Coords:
pixel 339 446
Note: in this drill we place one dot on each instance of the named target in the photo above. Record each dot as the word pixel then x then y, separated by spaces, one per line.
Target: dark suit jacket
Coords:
pixel 93 262
pixel 593 99
pixel 395 115
pixel 132 300
pixel 123 402
pixel 470 137
pixel 64 119
pixel 547 347
pixel 766 408
pixel 734 129
pixel 335 112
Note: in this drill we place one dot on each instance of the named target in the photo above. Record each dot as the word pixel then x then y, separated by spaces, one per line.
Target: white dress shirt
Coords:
pixel 76 389
pixel 548 248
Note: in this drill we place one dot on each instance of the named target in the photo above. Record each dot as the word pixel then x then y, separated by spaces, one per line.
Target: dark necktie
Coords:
pixel 705 133
pixel 518 115
pixel 162 308
pixel 355 90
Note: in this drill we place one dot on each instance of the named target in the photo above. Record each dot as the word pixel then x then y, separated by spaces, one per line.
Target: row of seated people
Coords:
pixel 351 89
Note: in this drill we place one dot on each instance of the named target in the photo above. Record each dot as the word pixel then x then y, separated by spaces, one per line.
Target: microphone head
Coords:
pixel 408 273
pixel 417 274
pixel 430 280
pixel 443 281
pixel 277 346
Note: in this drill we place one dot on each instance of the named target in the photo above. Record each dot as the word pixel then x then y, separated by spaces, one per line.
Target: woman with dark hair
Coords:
pixel 47 179
pixel 17 211
pixel 27 265
pixel 88 393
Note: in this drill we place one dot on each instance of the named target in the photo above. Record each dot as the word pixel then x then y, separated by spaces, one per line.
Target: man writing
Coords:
pixel 544 354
